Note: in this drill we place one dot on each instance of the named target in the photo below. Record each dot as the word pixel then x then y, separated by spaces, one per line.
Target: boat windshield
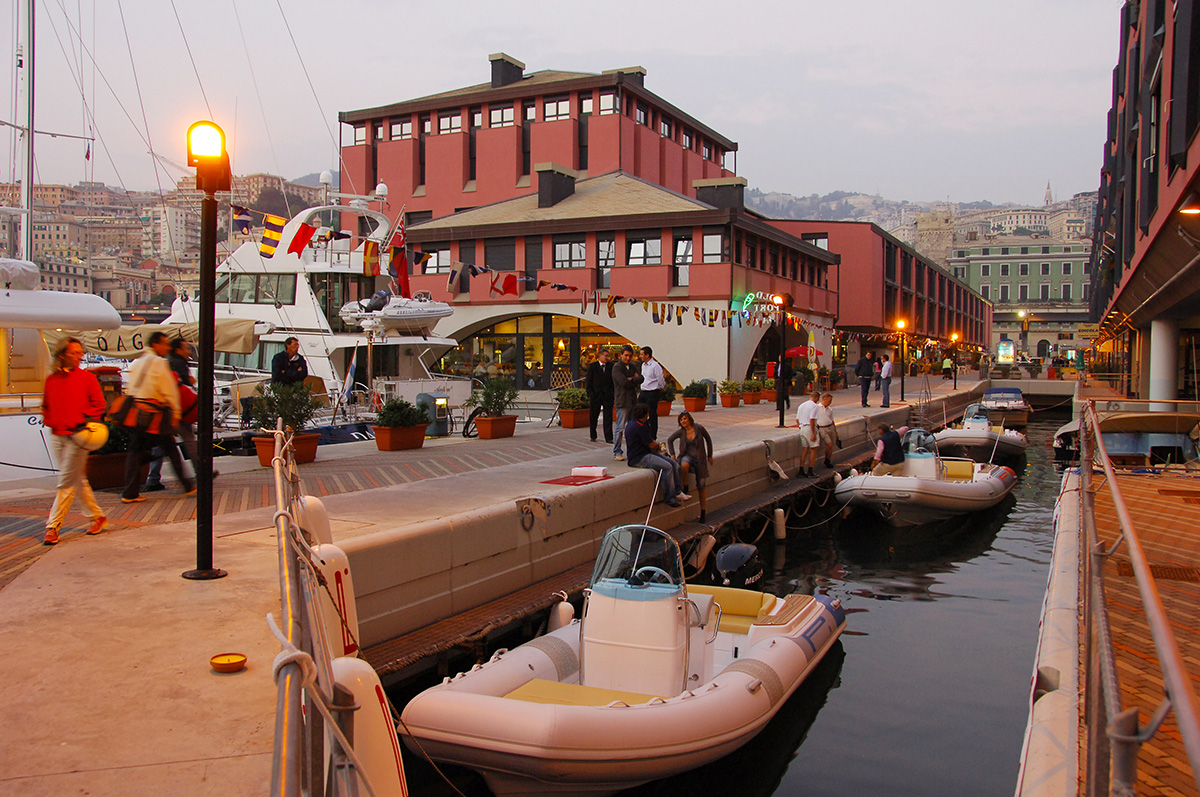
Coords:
pixel 638 555
pixel 976 411
pixel 1003 394
pixel 919 441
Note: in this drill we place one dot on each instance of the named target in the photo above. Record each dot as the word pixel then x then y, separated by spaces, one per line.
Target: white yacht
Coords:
pixel 302 294
pixel 25 361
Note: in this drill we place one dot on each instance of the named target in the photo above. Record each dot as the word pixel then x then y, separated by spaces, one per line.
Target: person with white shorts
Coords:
pixel 810 439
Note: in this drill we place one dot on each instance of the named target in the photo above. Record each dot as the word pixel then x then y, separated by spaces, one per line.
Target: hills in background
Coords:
pixel 889 214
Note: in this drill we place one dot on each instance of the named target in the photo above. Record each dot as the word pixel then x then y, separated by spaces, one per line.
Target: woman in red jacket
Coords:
pixel 72 398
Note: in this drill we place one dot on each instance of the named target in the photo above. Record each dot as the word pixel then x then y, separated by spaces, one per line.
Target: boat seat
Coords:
pixel 959 469
pixel 540 690
pixel 740 608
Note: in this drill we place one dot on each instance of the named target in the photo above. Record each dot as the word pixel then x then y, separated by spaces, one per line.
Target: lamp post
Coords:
pixel 206 151
pixel 954 358
pixel 782 301
pixel 1024 316
pixel 900 325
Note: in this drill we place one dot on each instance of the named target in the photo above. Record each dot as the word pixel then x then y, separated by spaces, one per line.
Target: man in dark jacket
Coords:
pixel 289 366
pixel 889 451
pixel 625 377
pixel 598 383
pixel 864 369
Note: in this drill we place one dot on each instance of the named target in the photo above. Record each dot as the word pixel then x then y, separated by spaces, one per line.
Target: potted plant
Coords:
pixel 695 396
pixel 750 391
pixel 574 407
pixel 106 465
pixel 400 425
pixel 494 400
pixel 297 407
pixel 768 390
pixel 730 391
pixel 668 398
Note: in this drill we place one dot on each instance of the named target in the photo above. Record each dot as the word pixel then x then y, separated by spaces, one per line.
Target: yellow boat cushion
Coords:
pixel 542 691
pixel 740 608
pixel 959 469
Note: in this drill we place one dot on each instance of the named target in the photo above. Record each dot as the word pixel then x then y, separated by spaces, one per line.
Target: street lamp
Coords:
pixel 1024 316
pixel 954 358
pixel 206 151
pixel 782 301
pixel 900 325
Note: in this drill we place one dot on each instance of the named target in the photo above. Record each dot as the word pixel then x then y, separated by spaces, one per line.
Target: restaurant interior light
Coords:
pixel 1191 204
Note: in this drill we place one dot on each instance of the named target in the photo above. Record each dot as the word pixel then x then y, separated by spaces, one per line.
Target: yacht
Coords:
pixel 308 289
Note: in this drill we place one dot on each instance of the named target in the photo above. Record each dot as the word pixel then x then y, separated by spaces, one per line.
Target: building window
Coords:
pixel 606 258
pixel 476 117
pixel 686 140
pixel 1045 250
pixel 379 131
pixel 1087 267
pixel 1066 267
pixel 500 116
pixel 985 291
pixel 360 134
pixel 570 252
pixel 449 123
pixel 529 108
pixel 642 114
pixel 987 251
pixel 1004 269
pixel 714 250
pixel 706 151
pixel 1003 292
pixel 1024 269
pixel 556 108
pixel 1085 292
pixel 500 254
pixel 985 270
pixel 608 103
pixel 664 127
pixel 426 126
pixel 1045 292
pixel 1023 292
pixel 533 260
pixel 1045 269
pixel 439 261
pixel 1066 291
pixel 585 103
pixel 644 249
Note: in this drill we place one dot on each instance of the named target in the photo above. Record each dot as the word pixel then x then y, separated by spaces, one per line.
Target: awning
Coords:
pixel 233 335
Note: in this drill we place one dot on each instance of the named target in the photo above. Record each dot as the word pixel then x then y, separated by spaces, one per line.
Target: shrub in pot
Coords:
pixel 730 392
pixel 574 407
pixel 494 400
pixel 297 407
pixel 695 396
pixel 400 425
pixel 768 390
pixel 750 391
pixel 668 398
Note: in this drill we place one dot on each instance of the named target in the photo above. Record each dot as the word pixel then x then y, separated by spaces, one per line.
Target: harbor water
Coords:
pixel 926 693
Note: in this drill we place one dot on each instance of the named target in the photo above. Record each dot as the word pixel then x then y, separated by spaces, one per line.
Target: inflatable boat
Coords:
pixel 981 440
pixel 930 488
pixel 657 677
pixel 385 312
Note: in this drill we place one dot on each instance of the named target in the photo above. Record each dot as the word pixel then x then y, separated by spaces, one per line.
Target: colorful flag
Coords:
pixel 583 302
pixel 301 239
pixel 612 306
pixel 272 230
pixel 452 279
pixel 370 256
pixel 242 221
pixel 398 268
pixel 419 259
pixel 495 289
pixel 400 239
pixel 510 284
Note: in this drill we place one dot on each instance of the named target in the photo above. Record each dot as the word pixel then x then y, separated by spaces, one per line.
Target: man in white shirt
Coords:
pixel 151 377
pixel 653 383
pixel 885 376
pixel 806 419
pixel 825 427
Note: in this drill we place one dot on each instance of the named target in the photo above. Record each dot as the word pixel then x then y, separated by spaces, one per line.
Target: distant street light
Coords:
pixel 206 151
pixel 954 358
pixel 900 325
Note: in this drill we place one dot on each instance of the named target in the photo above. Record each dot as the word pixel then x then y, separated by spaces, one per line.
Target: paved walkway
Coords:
pixel 107 686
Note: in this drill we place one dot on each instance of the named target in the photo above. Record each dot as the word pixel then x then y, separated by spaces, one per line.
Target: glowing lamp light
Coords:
pixel 1191 205
pixel 204 140
pixel 954 338
pixel 901 324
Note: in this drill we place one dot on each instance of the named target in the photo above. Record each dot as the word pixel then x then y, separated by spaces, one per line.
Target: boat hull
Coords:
pixel 980 444
pixel 541 748
pixel 912 501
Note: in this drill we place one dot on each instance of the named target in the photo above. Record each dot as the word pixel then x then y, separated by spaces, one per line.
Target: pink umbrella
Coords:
pixel 803 351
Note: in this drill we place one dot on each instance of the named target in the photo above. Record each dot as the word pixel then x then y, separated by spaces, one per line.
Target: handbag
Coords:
pixel 144 415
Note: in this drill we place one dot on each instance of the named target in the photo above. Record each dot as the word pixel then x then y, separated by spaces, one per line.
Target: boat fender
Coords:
pixel 837 477
pixel 699 557
pixel 312 517
pixel 339 613
pixel 561 615
pixel 853 472
pixel 376 742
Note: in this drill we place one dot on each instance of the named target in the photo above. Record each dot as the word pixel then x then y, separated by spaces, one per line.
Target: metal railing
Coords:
pixel 1115 735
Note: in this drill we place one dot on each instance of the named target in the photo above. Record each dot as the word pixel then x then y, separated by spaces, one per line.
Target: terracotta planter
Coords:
pixel 750 398
pixel 105 471
pixel 730 399
pixel 696 404
pixel 399 438
pixel 305 446
pixel 664 408
pixel 767 396
pixel 572 419
pixel 494 428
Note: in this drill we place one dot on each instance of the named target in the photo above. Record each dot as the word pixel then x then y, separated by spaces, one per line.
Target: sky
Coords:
pixel 957 100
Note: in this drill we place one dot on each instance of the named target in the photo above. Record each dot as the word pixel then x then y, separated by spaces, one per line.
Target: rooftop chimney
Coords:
pixel 505 69
pixel 722 192
pixel 555 183
pixel 633 74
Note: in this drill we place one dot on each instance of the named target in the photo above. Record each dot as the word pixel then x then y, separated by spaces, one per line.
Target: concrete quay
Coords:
pixel 109 689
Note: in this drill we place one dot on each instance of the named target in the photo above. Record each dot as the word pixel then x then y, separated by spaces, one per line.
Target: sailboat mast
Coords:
pixel 25 61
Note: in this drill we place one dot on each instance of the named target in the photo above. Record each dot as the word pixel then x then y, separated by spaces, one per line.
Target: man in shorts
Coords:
pixel 825 427
pixel 810 439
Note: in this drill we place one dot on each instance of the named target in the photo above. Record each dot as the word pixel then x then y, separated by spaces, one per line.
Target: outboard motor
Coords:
pixel 738 565
pixel 378 301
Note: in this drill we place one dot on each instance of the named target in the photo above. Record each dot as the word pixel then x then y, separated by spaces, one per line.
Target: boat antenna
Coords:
pixel 657 479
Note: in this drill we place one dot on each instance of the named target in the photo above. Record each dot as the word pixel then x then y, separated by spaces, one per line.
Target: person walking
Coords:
pixel 864 369
pixel 826 428
pixel 178 359
pixel 71 398
pixel 645 452
pixel 695 455
pixel 151 377
pixel 889 451
pixel 598 382
pixel 653 382
pixel 289 366
pixel 885 376
pixel 877 365
pixel 947 367
pixel 626 378
pixel 806 419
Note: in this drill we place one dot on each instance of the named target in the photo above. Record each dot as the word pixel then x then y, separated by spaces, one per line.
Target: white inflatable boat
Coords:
pixel 658 677
pixel 930 488
pixel 980 440
pixel 385 312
